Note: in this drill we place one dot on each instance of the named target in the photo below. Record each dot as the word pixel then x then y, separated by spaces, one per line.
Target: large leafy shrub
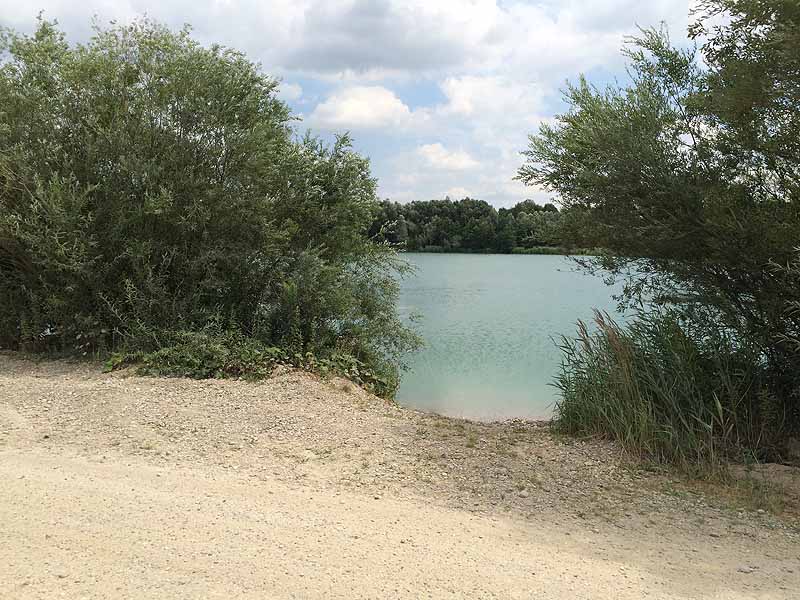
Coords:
pixel 151 187
pixel 689 177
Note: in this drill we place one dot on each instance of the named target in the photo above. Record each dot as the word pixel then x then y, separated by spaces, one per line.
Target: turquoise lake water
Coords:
pixel 488 322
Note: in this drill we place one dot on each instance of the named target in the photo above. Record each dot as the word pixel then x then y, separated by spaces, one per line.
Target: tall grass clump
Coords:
pixel 667 393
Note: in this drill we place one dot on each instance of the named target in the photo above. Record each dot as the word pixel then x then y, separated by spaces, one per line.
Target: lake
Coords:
pixel 489 323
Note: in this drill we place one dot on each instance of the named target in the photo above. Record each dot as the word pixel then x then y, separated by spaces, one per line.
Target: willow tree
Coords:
pixel 150 185
pixel 690 178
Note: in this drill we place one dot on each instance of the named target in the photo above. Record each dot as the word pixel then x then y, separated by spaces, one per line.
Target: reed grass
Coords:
pixel 695 401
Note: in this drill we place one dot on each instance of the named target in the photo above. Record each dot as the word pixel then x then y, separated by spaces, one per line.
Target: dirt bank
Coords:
pixel 121 486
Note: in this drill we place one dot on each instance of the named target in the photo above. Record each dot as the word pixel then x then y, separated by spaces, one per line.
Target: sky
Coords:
pixel 440 94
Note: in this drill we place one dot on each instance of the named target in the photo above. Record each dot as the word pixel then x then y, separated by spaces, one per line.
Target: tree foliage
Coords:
pixel 690 177
pixel 468 225
pixel 150 186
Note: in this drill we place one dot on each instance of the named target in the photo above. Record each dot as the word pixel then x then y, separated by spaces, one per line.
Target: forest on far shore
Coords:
pixel 470 225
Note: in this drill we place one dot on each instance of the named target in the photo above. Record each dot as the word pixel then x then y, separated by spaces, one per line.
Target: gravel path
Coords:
pixel 117 486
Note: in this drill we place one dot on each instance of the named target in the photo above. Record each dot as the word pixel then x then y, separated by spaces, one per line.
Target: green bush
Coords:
pixel 202 355
pixel 219 354
pixel 669 394
pixel 153 190
pixel 688 176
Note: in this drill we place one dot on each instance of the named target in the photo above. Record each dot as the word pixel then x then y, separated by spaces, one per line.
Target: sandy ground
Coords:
pixel 115 486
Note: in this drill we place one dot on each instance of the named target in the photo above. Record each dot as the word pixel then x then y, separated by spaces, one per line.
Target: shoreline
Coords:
pixel 541 251
pixel 263 447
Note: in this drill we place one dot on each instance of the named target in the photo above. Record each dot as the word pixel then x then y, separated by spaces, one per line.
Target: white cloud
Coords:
pixel 419 80
pixel 497 100
pixel 290 91
pixel 438 157
pixel 361 107
pixel 457 193
pixel 466 94
pixel 390 37
pixel 491 115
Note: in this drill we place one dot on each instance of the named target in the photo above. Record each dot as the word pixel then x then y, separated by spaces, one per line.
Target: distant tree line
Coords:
pixel 471 225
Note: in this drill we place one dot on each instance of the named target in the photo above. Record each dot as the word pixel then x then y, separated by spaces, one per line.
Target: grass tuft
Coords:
pixel 664 394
